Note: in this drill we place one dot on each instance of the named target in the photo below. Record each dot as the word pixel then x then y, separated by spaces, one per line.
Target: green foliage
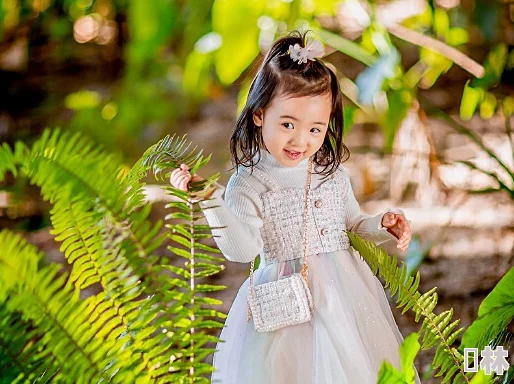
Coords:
pixel 408 351
pixel 494 314
pixel 470 99
pixel 476 92
pixel 346 46
pixel 64 325
pixel 229 16
pixel 7 162
pixel 150 320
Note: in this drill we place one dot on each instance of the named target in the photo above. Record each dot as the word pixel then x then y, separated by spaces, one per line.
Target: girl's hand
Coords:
pixel 180 177
pixel 398 226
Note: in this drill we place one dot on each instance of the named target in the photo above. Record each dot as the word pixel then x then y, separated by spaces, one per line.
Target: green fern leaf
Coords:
pixel 40 294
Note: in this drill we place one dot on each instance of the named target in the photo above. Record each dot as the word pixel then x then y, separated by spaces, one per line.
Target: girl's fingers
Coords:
pixel 176 172
pixel 404 241
pixel 391 220
pixel 180 178
pixel 404 229
pixel 181 182
pixel 184 182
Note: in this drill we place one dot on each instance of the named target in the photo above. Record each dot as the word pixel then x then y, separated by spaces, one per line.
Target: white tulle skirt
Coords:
pixel 352 330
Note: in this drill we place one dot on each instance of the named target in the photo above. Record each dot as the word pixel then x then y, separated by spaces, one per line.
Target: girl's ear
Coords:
pixel 258 117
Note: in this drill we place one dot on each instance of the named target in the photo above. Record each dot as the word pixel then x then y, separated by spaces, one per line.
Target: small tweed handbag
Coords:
pixel 286 301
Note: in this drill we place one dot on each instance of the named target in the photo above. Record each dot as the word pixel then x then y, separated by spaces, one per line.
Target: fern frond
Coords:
pixel 438 330
pixel 40 294
pixel 21 359
pixel 192 319
pixel 142 315
pixel 75 226
pixel 169 153
pixel 74 172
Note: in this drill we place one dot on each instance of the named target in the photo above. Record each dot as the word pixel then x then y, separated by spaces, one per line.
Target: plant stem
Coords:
pixel 428 42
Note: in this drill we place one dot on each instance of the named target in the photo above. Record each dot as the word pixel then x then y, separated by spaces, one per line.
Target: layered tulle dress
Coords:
pixel 352 329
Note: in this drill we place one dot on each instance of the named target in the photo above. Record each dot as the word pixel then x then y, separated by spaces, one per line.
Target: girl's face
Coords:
pixel 293 128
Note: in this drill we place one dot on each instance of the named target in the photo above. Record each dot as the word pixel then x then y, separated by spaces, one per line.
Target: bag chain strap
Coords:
pixel 305 267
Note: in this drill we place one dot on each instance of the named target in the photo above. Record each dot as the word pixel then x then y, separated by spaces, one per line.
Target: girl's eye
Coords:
pixel 317 130
pixel 288 125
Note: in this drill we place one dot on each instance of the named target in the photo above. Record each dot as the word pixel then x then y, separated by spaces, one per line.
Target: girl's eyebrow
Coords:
pixel 294 118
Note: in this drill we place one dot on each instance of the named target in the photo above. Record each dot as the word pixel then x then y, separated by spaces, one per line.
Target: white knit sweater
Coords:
pixel 240 210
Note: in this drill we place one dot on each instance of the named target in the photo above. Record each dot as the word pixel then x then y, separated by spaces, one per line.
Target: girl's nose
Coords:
pixel 298 139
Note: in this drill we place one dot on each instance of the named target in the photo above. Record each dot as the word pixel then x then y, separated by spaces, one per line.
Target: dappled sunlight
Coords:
pixel 94 28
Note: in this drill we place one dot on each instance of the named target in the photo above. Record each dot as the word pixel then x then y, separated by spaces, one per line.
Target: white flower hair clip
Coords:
pixel 313 50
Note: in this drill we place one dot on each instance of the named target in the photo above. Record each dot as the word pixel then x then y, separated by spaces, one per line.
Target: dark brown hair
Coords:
pixel 280 75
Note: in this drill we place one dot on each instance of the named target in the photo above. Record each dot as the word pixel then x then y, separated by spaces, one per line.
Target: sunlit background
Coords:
pixel 429 99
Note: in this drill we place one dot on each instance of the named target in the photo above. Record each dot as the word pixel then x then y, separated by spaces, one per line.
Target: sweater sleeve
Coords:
pixel 235 220
pixel 367 226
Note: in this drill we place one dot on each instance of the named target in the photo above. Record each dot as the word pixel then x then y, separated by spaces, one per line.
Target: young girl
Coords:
pixel 294 112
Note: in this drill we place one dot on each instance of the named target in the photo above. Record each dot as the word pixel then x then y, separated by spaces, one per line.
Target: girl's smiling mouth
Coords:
pixel 293 155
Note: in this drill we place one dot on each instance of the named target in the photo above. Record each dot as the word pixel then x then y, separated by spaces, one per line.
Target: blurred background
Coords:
pixel 428 89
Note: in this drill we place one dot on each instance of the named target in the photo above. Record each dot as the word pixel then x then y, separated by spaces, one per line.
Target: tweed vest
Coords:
pixel 283 210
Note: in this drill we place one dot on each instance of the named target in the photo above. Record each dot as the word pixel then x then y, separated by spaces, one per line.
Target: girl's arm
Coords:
pixel 240 240
pixel 367 226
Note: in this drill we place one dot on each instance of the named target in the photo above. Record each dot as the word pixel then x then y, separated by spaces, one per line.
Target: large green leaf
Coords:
pixel 494 314
pixel 40 295
pixel 19 341
pixel 408 350
pixel 125 333
pixel 236 22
